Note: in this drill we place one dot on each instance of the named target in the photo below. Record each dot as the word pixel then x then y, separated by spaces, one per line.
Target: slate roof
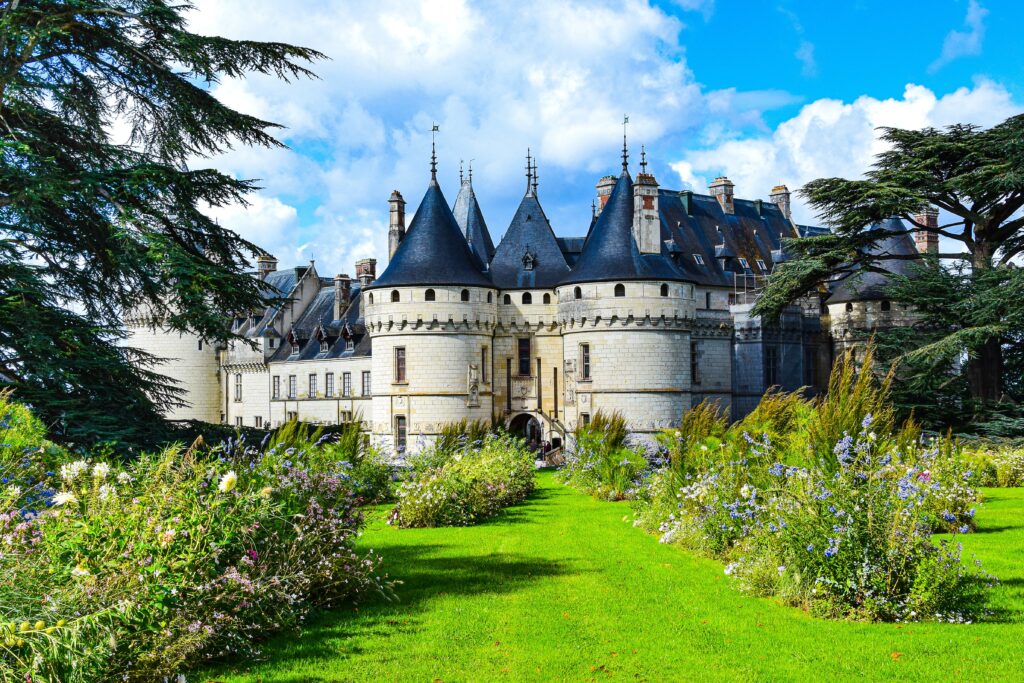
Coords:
pixel 611 253
pixel 282 283
pixel 753 232
pixel 529 255
pixel 871 286
pixel 471 220
pixel 434 251
pixel 571 248
pixel 318 318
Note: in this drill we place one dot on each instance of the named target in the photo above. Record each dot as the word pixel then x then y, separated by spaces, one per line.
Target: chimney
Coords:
pixel 927 242
pixel 396 224
pixel 604 190
pixel 265 265
pixel 686 197
pixel 646 220
pixel 366 271
pixel 342 294
pixel 780 198
pixel 721 189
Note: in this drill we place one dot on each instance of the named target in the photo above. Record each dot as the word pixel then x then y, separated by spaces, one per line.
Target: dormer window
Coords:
pixel 762 266
pixel 350 345
pixel 324 346
pixel 272 343
pixel 699 259
pixel 295 348
pixel 529 260
pixel 743 262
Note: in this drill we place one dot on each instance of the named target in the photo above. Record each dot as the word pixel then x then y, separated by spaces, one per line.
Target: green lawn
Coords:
pixel 563 588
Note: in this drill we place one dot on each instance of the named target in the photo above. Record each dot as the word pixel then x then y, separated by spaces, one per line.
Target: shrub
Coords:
pixel 600 463
pixel 995 465
pixel 473 484
pixel 137 572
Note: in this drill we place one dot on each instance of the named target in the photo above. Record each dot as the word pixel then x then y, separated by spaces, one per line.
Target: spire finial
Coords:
pixel 433 152
pixel 460 171
pixel 625 150
pixel 593 209
pixel 643 159
pixel 471 171
pixel 535 175
pixel 529 171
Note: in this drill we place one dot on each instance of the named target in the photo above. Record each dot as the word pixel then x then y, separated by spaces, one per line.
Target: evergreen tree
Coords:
pixel 974 175
pixel 90 227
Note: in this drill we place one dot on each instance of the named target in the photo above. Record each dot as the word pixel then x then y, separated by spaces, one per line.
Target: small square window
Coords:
pixel 761 265
pixel 743 262
pixel 699 259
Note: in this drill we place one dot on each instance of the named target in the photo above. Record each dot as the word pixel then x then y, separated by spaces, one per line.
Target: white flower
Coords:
pixel 64 498
pixel 71 471
pixel 679 435
pixel 100 470
pixel 782 568
pixel 107 491
pixel 124 478
pixel 79 570
pixel 703 447
pixel 13 491
pixel 746 491
pixel 228 481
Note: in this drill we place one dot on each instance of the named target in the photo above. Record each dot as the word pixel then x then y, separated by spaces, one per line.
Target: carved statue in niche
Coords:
pixel 473 386
pixel 569 373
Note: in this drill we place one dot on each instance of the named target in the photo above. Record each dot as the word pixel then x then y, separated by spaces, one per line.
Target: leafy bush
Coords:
pixel 473 484
pixel 845 530
pixel 139 571
pixel 599 461
pixel 995 465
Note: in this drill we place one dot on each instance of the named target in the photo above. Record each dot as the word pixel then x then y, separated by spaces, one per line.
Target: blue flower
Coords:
pixel 810 548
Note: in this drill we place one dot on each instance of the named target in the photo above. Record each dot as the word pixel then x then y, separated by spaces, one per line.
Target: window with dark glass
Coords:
pixel 507 299
pixel 293 386
pixel 577 293
pixel 664 290
pixel 238 387
pixel 276 390
pixel 694 363
pixel 547 298
pixel 366 382
pixel 707 300
pixel 346 384
pixel 329 385
pixel 399 363
pixel 620 290
pixel 527 298
pixel 401 432
pixel 584 361
pixel 465 295
pixel 429 295
pixel 585 418
pixel 395 296
pixel 312 386
pixel 771 366
pixel 483 365
pixel 524 356
pixel 886 305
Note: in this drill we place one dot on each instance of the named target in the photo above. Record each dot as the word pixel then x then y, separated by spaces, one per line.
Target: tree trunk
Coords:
pixel 985 368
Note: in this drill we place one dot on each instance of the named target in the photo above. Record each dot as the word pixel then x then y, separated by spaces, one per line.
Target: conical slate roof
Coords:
pixel 471 221
pixel 611 252
pixel 528 255
pixel 871 286
pixel 434 251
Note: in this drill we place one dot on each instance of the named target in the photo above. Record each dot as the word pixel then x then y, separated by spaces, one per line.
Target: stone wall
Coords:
pixel 193 364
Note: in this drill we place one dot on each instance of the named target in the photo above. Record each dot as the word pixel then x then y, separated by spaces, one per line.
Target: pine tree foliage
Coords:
pixel 974 175
pixel 93 227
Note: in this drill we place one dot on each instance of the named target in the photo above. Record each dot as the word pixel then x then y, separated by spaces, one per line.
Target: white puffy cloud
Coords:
pixel 834 138
pixel 963 43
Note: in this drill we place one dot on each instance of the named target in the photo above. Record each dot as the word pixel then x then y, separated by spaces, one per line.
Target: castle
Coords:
pixel 649 314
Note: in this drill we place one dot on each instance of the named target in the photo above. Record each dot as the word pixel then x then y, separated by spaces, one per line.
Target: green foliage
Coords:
pixel 470 485
pixel 991 465
pixel 117 227
pixel 600 463
pixel 180 556
pixel 462 434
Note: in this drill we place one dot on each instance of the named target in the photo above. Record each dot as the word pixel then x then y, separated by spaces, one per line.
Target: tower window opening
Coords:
pixel 577 293
pixel 507 300
pixel 664 290
pixel 429 295
pixel 465 295
pixel 395 297
pixel 886 305
pixel 547 298
pixel 620 290
pixel 527 298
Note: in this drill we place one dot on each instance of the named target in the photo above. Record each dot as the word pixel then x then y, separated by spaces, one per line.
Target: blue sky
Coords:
pixel 765 92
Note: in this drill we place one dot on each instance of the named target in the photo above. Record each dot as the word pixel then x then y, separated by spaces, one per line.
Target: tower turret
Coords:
pixel 396 222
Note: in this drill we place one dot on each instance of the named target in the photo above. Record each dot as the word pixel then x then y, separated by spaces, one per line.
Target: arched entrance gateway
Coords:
pixel 526 426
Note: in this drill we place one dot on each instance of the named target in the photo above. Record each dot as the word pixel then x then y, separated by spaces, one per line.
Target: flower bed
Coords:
pixel 139 571
pixel 601 464
pixel 843 530
pixel 464 486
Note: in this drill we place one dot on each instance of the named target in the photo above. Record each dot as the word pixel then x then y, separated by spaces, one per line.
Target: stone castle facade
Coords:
pixel 649 313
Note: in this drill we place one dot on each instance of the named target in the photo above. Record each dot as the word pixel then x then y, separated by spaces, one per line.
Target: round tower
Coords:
pixel 431 315
pixel 626 319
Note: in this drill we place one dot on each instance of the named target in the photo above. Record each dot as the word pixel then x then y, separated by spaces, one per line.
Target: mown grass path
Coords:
pixel 561 588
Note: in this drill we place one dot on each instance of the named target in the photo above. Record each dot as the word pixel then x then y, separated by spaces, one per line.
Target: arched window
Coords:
pixel 508 299
pixel 620 289
pixel 465 295
pixel 428 295
pixel 547 298
pixel 849 308
pixel 394 296
pixel 489 297
pixel 887 305
pixel 664 290
pixel 577 293
pixel 371 299
pixel 527 298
